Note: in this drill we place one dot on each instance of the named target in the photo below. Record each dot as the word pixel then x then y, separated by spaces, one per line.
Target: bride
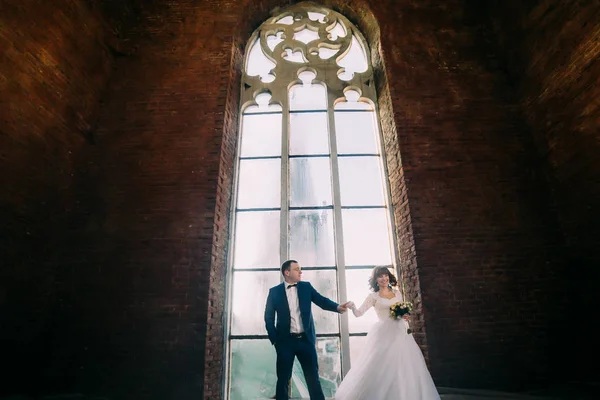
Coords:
pixel 391 366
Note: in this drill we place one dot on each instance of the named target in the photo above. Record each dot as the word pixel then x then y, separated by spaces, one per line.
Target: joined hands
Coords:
pixel 342 308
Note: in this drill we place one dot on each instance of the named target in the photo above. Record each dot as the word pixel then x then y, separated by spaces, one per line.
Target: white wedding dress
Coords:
pixel 391 366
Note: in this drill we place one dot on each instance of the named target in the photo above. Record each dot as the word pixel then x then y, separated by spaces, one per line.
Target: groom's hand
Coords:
pixel 342 308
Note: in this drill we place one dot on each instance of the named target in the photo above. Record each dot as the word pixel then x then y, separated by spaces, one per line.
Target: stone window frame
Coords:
pixel 374 88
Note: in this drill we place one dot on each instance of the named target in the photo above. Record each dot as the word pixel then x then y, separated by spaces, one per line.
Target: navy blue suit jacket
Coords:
pixel 277 304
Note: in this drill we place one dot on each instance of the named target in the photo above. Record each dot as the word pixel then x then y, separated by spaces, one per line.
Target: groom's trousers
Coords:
pixel 287 350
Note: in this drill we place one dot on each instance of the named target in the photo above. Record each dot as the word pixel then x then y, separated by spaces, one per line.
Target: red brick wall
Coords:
pixel 137 265
pixel 53 68
pixel 484 233
pixel 152 185
pixel 552 55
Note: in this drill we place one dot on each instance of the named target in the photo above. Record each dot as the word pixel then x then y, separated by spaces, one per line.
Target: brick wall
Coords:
pixel 153 182
pixel 53 68
pixel 485 238
pixel 551 51
pixel 137 303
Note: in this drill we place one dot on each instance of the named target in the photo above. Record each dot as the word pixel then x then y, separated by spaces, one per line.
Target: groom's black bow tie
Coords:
pixel 295 284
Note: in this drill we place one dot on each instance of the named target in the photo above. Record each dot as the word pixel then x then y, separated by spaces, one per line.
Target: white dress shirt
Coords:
pixel 295 317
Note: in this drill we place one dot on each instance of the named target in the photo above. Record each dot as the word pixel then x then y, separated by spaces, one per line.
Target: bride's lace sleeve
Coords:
pixel 368 303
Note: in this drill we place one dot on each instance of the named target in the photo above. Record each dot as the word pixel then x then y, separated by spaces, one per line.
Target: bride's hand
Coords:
pixel 406 317
pixel 351 305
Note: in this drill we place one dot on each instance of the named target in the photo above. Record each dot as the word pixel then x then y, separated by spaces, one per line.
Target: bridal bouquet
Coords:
pixel 398 310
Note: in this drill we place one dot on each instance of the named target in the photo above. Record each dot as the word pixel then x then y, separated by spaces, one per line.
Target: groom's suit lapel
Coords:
pixel 285 300
pixel 301 294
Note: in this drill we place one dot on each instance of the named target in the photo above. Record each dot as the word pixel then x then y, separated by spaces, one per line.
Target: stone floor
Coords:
pixel 567 391
pixel 466 394
pixel 582 392
pixel 571 391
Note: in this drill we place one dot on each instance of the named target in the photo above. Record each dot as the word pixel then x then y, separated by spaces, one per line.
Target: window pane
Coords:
pixel 355 133
pixel 306 36
pixel 357 343
pixel 316 16
pixel 325 283
pixel 253 373
pixel 274 39
pixel 337 31
pixel 259 64
pixel 328 353
pixel 355 60
pixel 361 181
pixel 259 184
pixel 308 97
pixel 257 239
pixel 310 182
pixel 308 133
pixel 285 20
pixel 294 56
pixel 325 53
pixel 366 237
pixel 261 135
pixel 250 290
pixel 357 284
pixel 311 237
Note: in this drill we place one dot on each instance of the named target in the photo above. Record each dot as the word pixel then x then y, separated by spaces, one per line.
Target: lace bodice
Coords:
pixel 380 304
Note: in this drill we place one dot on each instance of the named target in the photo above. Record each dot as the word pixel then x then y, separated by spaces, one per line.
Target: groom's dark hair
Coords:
pixel 287 265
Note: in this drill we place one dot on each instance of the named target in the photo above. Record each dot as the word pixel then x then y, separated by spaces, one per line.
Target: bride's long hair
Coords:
pixel 380 271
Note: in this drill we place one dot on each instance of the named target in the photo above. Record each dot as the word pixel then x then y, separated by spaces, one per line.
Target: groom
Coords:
pixel 294 332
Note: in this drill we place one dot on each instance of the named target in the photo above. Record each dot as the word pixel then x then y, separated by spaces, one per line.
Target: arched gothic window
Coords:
pixel 310 186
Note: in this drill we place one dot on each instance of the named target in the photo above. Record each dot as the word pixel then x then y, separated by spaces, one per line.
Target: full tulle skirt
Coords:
pixel 391 367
